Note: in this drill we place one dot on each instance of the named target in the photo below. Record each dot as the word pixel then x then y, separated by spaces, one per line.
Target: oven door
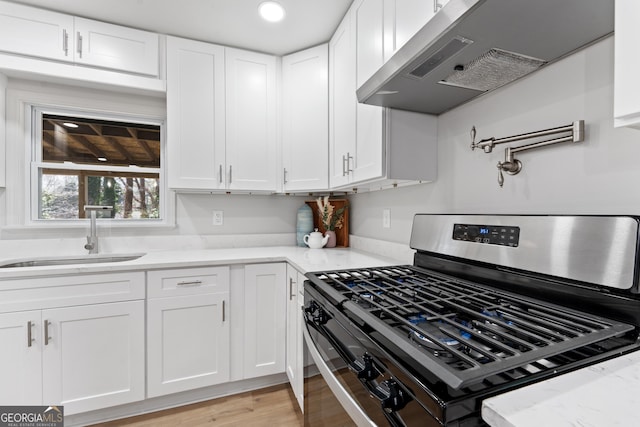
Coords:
pixel 328 400
pixel 352 379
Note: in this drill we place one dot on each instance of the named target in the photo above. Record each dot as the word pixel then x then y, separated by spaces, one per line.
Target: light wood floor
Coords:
pixel 272 406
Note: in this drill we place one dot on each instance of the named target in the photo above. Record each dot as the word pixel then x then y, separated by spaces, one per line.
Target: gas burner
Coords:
pixel 438 341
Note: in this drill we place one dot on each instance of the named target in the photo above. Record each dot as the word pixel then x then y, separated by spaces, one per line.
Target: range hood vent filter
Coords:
pixel 446 52
pixel 493 69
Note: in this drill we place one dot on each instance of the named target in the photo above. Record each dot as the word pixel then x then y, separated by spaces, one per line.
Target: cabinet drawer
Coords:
pixel 187 281
pixel 63 291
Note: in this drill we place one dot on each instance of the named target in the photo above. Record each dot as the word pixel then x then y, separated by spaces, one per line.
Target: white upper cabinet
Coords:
pixel 251 148
pixel 370 37
pixel 403 19
pixel 370 33
pixel 626 109
pixel 40 33
pixel 342 102
pixel 114 47
pixel 372 147
pixel 195 115
pixel 221 118
pixel 305 128
pixel 36 32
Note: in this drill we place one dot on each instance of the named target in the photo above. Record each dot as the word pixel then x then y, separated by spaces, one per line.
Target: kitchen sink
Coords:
pixel 70 260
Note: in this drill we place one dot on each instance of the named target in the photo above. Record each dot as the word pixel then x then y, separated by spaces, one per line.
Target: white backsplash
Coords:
pixel 402 252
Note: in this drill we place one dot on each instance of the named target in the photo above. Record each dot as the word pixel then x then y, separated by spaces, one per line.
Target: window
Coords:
pixel 80 160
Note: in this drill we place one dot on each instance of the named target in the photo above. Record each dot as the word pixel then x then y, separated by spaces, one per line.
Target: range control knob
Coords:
pixel 320 317
pixel 317 314
pixel 368 371
pixel 396 398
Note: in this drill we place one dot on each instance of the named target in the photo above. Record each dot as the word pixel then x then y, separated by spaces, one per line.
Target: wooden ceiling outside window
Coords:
pixel 121 144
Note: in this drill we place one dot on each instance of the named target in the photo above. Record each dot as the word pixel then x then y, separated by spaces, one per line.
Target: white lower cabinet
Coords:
pixel 294 346
pixel 85 352
pixel 93 356
pixel 21 358
pixel 85 358
pixel 264 319
pixel 187 329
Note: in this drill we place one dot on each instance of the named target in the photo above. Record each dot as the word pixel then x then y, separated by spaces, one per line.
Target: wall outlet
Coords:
pixel 386 218
pixel 218 218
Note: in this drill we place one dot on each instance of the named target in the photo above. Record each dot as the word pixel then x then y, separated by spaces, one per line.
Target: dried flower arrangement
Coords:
pixel 330 217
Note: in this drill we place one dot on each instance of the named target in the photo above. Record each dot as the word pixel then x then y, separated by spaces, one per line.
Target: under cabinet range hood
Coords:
pixel 473 46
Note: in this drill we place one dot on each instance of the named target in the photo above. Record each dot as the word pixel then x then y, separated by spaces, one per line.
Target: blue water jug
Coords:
pixel 304 223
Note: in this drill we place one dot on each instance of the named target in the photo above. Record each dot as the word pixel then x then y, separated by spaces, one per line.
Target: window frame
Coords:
pixel 34 134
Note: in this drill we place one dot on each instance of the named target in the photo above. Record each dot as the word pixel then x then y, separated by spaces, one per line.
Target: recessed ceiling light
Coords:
pixel 271 11
pixel 102 159
pixel 70 125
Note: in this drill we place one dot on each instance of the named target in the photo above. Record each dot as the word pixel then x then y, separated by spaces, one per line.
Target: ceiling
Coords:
pixel 228 22
pixel 98 142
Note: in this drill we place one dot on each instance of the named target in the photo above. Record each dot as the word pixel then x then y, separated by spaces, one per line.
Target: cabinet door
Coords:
pixel 195 114
pixel 251 148
pixel 3 127
pixel 294 356
pixel 370 32
pixel 409 16
pixel 187 343
pixel 342 103
pixel 93 356
pixel 35 32
pixel 118 48
pixel 305 129
pixel 626 107
pixel 21 358
pixel 264 319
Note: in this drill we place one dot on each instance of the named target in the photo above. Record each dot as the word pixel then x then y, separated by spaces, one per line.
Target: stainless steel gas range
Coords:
pixel 491 303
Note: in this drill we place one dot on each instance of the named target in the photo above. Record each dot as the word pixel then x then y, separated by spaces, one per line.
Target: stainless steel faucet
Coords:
pixel 92 238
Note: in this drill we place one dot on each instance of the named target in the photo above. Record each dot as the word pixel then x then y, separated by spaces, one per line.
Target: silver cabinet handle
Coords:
pixel 344 170
pixel 285 175
pixel 220 173
pixel 46 332
pixel 436 6
pixel 65 42
pixel 291 294
pixel 79 45
pixel 30 339
pixel 190 283
pixel 349 158
pixel 224 309
pixel 230 174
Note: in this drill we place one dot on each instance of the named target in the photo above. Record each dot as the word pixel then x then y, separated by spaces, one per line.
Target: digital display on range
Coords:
pixel 503 235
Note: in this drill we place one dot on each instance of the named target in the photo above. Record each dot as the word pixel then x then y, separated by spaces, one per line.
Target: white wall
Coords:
pixel 598 176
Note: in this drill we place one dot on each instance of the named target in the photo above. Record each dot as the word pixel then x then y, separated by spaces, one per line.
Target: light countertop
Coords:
pixel 303 259
pixel 603 395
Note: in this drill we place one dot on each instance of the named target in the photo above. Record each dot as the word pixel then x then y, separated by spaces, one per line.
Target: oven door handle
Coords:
pixel 348 403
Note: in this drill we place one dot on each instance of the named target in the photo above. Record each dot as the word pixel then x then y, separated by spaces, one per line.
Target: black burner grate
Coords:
pixel 461 331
